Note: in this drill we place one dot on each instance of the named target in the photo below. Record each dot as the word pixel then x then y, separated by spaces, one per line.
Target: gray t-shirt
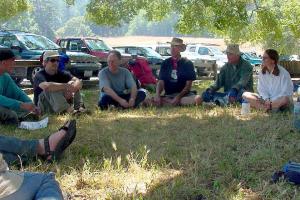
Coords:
pixel 120 82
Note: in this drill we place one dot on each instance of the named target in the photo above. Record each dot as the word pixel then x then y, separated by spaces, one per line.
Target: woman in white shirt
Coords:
pixel 275 87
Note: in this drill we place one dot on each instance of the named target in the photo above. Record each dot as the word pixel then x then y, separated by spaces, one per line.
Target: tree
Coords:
pixel 82 28
pixel 11 8
pixel 268 22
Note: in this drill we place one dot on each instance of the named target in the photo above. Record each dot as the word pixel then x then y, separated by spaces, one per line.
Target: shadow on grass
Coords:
pixel 184 153
pixel 213 151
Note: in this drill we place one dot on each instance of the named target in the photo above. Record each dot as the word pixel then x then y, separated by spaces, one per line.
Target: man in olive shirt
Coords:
pixel 235 77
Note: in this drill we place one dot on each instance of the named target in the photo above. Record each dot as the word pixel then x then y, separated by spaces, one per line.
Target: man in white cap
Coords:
pixel 235 77
pixel 175 79
pixel 15 105
pixel 56 91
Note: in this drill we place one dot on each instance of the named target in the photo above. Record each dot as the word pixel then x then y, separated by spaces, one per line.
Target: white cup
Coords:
pixel 245 109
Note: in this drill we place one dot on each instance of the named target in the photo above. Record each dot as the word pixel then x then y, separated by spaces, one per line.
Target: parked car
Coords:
pixel 92 46
pixel 163 49
pixel 252 59
pixel 207 52
pixel 152 56
pixel 289 57
pixel 29 46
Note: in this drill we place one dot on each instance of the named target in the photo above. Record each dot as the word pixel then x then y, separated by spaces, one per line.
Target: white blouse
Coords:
pixel 273 87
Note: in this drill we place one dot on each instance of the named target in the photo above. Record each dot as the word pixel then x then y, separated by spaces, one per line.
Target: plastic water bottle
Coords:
pixel 297 111
pixel 245 107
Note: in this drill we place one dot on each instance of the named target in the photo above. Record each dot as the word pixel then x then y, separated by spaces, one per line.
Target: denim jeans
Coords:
pixel 37 186
pixel 106 100
pixel 14 149
pixel 221 97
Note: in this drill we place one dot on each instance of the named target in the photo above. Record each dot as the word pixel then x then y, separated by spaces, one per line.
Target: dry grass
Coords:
pixel 173 153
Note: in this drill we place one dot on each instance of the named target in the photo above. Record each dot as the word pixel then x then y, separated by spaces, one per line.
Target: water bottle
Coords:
pixel 245 107
pixel 297 111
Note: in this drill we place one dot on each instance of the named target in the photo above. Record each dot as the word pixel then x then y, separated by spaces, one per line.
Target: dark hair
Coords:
pixel 6 54
pixel 116 53
pixel 273 55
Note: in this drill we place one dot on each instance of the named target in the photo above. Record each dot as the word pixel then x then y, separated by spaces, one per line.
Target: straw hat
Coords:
pixel 178 42
pixel 10 181
pixel 233 49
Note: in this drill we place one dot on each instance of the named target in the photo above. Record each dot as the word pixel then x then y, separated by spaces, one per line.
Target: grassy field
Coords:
pixel 173 153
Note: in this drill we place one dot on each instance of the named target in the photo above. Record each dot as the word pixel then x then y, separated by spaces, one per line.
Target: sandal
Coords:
pixel 64 142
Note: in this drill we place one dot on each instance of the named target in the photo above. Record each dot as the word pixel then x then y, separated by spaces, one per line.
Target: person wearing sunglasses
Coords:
pixel 56 91
pixel 15 105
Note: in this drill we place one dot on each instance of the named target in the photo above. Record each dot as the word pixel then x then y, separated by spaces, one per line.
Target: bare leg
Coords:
pixel 191 100
pixel 280 102
pixel 253 99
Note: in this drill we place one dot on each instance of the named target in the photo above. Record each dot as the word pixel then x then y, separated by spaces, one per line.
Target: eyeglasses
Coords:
pixel 53 60
pixel 265 58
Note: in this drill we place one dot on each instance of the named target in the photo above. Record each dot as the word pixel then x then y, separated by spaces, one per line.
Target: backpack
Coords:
pixel 290 172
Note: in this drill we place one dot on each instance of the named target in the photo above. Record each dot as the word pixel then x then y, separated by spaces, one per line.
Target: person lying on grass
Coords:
pixel 275 87
pixel 17 151
pixel 16 185
pixel 117 86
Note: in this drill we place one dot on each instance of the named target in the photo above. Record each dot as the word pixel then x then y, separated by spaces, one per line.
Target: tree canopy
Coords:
pixel 273 23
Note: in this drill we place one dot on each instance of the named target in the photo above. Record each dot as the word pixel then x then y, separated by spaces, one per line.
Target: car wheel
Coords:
pixel 18 81
pixel 32 72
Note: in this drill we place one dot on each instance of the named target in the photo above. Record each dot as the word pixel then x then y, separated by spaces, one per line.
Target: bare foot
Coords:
pixel 53 141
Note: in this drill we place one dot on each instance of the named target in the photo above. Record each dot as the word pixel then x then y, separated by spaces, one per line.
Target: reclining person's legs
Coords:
pixel 14 149
pixel 37 186
pixel 50 102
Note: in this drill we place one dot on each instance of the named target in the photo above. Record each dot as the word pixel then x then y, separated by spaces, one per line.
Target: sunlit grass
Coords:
pixel 173 153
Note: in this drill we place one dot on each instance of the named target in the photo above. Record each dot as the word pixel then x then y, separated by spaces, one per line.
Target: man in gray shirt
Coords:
pixel 117 86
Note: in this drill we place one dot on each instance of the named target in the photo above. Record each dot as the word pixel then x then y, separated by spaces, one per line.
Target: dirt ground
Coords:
pixel 150 40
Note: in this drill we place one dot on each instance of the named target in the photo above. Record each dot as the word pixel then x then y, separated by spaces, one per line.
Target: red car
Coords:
pixel 89 45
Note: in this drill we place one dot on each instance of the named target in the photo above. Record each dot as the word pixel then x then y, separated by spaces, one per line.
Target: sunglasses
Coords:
pixel 53 60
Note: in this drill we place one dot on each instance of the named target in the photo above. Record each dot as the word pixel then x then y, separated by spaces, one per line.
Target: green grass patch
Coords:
pixel 172 153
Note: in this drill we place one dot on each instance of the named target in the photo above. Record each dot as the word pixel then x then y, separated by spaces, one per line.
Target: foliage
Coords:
pixel 82 28
pixel 267 22
pixel 11 8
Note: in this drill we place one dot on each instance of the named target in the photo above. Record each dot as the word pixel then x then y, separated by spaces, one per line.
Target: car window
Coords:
pixel 97 45
pixel 75 45
pixel 192 49
pixel 164 51
pixel 63 43
pixel 120 49
pixel 203 51
pixel 37 42
pixel 134 51
pixel 9 41
pixel 150 52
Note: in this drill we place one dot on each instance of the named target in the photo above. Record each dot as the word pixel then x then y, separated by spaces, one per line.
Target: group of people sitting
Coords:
pixel 57 91
pixel 174 86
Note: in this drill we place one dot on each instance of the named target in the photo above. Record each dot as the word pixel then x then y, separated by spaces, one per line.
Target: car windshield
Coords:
pixel 251 56
pixel 216 51
pixel 97 45
pixel 37 42
pixel 150 52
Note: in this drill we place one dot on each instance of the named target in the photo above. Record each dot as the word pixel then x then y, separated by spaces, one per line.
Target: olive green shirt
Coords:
pixel 239 76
